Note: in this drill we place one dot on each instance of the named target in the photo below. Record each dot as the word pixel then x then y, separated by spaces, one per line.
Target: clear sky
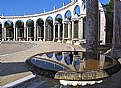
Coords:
pixel 19 7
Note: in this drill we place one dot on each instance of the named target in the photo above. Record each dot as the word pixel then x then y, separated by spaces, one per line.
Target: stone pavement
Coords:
pixel 12 66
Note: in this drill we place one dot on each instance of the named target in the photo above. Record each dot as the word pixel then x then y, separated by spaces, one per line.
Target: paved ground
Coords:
pixel 10 48
pixel 42 82
pixel 12 65
pixel 12 68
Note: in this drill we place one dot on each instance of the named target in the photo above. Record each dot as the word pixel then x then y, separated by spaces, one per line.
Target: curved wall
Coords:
pixel 62 11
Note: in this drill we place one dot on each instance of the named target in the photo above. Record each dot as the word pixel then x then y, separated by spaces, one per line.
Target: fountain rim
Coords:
pixel 109 70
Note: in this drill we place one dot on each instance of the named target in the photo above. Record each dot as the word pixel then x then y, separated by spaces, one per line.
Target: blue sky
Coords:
pixel 19 7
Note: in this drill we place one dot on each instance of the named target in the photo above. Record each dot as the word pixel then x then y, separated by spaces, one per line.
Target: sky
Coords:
pixel 29 7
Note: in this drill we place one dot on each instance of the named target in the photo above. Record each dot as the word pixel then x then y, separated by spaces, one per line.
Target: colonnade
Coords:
pixel 35 33
pixel 69 30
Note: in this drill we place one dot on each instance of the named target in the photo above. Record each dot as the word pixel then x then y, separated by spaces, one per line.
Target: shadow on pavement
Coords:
pixel 10 68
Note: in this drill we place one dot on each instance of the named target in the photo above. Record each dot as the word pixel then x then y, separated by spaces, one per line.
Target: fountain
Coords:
pixel 76 67
pixel 73 66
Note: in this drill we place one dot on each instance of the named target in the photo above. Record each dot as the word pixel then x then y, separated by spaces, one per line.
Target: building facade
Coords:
pixel 60 25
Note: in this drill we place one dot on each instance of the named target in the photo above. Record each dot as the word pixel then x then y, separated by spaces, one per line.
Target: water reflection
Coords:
pixel 38 55
pixel 50 55
pixel 71 65
pixel 59 56
pixel 47 65
pixel 81 61
pixel 102 61
pixel 79 64
pixel 68 58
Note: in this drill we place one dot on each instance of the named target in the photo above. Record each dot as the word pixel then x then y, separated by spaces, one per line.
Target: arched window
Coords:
pixel 30 30
pixel 19 29
pixel 9 30
pixel 40 29
pixel 49 28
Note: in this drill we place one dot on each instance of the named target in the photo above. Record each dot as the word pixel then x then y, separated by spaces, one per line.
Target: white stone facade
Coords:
pixel 37 35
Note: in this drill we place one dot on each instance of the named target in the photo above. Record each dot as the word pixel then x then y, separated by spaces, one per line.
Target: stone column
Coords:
pixel 117 25
pixel 80 28
pixel 59 31
pixel 27 29
pixel 16 33
pixel 72 29
pixel 44 32
pixel 102 27
pixel 91 25
pixel 69 30
pixel 40 28
pixel 24 30
pixel 3 34
pixel 63 32
pixel 35 31
pixel 53 32
pixel 48 30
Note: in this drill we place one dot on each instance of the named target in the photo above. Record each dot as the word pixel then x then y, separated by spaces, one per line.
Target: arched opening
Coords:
pixel 68 58
pixel 76 21
pixel 77 64
pixel 68 25
pixel 0 31
pixel 58 27
pixel 77 10
pixel 49 28
pixel 59 56
pixel 68 15
pixel 84 1
pixel 9 30
pixel 30 29
pixel 19 30
pixel 50 55
pixel 40 29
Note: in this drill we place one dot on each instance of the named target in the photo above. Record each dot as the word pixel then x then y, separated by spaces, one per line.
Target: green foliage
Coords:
pixel 19 24
pixel 59 20
pixel 50 22
pixel 40 22
pixel 76 29
pixel 0 25
pixel 66 31
pixel 8 24
pixel 84 27
pixel 109 20
pixel 30 23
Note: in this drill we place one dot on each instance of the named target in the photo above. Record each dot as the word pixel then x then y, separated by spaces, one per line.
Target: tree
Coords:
pixel 109 20
pixel 19 24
